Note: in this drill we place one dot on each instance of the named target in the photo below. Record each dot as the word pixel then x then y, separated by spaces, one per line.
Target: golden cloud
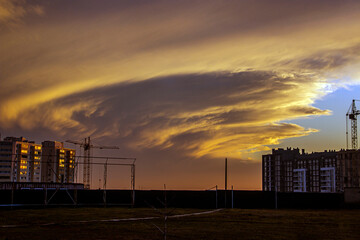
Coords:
pixel 206 79
pixel 13 11
pixel 204 114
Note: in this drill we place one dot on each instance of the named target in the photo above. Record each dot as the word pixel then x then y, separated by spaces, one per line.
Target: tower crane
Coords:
pixel 87 146
pixel 352 116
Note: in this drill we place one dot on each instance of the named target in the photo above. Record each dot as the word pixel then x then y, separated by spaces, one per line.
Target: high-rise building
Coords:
pixel 25 161
pixel 315 172
pixel 349 169
pixel 278 169
pixel 328 171
pixel 58 163
pixel 19 160
pixel 26 167
pixel 7 156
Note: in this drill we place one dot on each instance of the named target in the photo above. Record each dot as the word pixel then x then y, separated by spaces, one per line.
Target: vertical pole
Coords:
pixel 216 198
pixel 276 200
pixel 133 183
pixel 105 179
pixel 89 177
pixel 232 196
pixel 347 133
pixel 225 180
pixel 166 213
pixel 104 197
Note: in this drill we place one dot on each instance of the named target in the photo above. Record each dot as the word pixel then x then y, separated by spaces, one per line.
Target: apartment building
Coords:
pixel 315 172
pixel 58 163
pixel 26 165
pixel 278 169
pixel 7 157
pixel 19 160
pixel 22 160
pixel 349 169
pixel 288 170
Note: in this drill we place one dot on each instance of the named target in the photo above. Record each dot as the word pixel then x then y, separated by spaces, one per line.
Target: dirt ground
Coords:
pixel 132 223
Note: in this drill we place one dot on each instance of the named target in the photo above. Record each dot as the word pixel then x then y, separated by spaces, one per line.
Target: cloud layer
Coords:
pixel 201 114
pixel 173 80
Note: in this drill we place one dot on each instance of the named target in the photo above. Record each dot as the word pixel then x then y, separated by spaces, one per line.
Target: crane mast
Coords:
pixel 352 116
pixel 87 146
pixel 87 157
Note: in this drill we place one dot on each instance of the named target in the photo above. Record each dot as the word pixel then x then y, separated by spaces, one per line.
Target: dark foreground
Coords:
pixel 175 198
pixel 65 223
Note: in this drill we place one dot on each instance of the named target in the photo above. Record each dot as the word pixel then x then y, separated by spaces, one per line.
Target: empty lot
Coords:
pixel 147 223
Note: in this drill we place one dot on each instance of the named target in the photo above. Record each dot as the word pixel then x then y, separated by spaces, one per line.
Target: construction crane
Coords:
pixel 87 146
pixel 352 116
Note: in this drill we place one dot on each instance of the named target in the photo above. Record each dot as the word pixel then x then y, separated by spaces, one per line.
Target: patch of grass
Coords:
pixel 226 224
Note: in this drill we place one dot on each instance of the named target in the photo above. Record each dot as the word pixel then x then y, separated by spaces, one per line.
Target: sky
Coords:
pixel 180 85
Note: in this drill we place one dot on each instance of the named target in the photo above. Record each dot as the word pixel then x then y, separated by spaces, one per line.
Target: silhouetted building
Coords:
pixel 329 171
pixel 7 156
pixel 349 169
pixel 278 169
pixel 315 172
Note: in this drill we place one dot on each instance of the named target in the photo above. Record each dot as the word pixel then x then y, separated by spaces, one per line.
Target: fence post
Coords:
pixel 216 198
pixel 232 196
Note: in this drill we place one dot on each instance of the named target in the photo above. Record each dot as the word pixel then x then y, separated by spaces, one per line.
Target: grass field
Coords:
pixel 65 223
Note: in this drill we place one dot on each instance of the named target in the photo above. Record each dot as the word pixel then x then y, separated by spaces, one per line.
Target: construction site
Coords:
pixel 46 188
pixel 49 174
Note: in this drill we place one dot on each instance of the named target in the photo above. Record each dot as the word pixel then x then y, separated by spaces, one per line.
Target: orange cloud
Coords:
pixel 13 11
pixel 241 70
pixel 212 114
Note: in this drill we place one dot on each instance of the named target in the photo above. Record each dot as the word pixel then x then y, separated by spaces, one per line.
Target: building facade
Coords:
pixel 58 164
pixel 19 160
pixel 278 170
pixel 349 169
pixel 288 170
pixel 7 157
pixel 25 161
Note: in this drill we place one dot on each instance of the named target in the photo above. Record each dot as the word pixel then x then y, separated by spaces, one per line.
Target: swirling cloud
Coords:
pixel 203 114
pixel 181 79
pixel 13 11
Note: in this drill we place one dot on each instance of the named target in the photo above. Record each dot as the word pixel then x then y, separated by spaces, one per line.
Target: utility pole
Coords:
pixel 225 180
pixel 133 183
pixel 216 198
pixel 232 196
pixel 105 179
pixel 276 179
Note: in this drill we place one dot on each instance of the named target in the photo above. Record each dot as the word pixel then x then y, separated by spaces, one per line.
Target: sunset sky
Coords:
pixel 180 85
